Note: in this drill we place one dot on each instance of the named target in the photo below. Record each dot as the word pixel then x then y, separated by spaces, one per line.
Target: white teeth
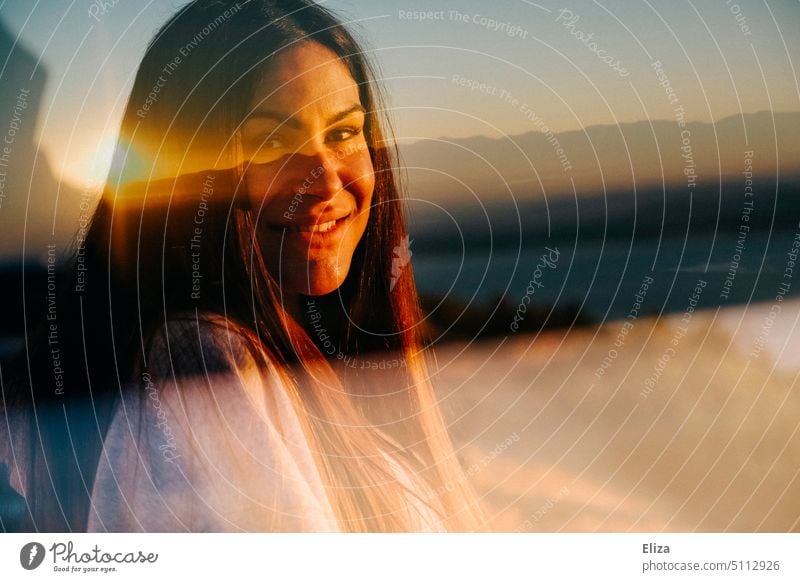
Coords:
pixel 322 227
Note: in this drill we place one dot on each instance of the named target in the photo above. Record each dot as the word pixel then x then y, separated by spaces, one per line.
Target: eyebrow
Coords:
pixel 294 123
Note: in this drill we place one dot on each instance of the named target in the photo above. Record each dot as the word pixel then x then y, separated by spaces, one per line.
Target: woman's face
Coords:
pixel 309 177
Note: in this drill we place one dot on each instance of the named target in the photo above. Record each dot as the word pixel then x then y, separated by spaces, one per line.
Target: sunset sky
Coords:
pixel 534 59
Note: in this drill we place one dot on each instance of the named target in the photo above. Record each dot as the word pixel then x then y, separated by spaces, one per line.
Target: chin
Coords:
pixel 318 282
pixel 317 289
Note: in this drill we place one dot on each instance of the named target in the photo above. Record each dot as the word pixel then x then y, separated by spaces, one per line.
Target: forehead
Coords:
pixel 307 78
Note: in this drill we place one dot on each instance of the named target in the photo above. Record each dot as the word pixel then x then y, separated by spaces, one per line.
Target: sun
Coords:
pixel 111 162
pixel 91 168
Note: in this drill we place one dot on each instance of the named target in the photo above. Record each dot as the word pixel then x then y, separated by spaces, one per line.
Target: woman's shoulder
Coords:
pixel 205 364
pixel 205 441
pixel 205 343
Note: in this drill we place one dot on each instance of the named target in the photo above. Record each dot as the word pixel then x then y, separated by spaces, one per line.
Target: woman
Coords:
pixel 240 337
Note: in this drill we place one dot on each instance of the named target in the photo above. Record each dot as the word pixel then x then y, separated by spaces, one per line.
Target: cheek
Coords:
pixel 363 189
pixel 365 193
pixel 258 181
pixel 362 178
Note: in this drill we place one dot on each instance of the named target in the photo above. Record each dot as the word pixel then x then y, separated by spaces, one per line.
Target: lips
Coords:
pixel 322 227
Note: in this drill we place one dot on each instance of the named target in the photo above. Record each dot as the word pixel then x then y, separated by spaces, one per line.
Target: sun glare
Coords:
pixel 98 161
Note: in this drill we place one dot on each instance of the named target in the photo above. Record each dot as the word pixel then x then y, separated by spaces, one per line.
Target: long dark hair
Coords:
pixel 178 154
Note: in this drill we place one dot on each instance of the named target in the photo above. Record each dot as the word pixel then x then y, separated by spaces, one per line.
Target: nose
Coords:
pixel 320 176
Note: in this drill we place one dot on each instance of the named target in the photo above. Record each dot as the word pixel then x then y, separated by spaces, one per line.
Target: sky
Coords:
pixel 452 69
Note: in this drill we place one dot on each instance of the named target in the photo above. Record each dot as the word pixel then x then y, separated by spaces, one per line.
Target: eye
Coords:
pixel 272 143
pixel 344 133
pixel 263 141
pixel 264 149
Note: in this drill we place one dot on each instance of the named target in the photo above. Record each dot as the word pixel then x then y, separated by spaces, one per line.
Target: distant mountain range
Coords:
pixel 639 178
pixel 601 158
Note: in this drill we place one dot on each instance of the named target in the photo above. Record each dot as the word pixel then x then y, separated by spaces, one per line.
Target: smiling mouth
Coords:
pixel 320 228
